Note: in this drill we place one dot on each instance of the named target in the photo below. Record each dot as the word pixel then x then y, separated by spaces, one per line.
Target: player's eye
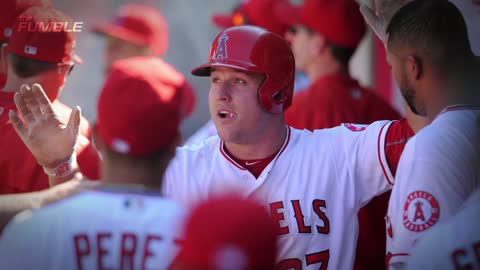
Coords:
pixel 215 79
pixel 240 81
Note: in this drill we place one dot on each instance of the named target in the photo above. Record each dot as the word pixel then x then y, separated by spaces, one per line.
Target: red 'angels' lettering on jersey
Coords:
pixel 277 210
pixel 462 257
pixel 421 211
pixel 355 127
pixel 100 245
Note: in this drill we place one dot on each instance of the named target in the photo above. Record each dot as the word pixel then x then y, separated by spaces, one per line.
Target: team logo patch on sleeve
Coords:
pixel 355 127
pixel 421 211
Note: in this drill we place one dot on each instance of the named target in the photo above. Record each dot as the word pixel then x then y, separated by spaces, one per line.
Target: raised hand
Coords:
pixel 378 13
pixel 50 141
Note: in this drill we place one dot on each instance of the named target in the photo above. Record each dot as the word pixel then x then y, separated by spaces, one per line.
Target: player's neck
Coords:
pixel 130 175
pixel 261 148
pixel 14 83
pixel 325 67
pixel 460 89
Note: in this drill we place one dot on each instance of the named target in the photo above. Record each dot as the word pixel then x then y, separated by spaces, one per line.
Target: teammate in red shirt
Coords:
pixel 324 36
pixel 35 57
pixel 9 10
pixel 141 30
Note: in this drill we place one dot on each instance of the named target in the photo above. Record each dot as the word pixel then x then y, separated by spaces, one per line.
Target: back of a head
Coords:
pixel 37 45
pixel 10 9
pixel 139 24
pixel 228 233
pixel 138 109
pixel 339 22
pixel 435 30
pixel 253 12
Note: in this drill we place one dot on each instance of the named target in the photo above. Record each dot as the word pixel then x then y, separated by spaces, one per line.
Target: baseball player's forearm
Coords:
pixel 10 205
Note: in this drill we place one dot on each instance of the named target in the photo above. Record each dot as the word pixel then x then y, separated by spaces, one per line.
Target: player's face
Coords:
pixel 397 64
pixel 234 105
pixel 303 44
pixel 117 49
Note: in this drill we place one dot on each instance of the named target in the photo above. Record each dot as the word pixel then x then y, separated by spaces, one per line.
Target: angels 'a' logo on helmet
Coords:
pixel 221 51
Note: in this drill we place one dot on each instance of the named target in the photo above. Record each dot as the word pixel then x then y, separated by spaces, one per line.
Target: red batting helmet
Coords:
pixel 254 49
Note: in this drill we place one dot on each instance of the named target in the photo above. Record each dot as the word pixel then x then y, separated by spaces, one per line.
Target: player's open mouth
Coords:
pixel 225 114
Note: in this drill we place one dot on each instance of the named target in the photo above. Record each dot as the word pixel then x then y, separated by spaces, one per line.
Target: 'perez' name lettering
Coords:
pixel 101 248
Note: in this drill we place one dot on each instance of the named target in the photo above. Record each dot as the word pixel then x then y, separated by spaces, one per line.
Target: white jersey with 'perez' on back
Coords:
pixel 313 188
pixel 94 230
pixel 436 174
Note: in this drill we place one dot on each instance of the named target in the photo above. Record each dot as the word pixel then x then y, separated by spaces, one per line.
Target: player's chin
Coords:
pixel 226 134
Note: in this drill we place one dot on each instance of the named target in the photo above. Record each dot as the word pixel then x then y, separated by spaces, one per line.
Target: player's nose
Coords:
pixel 223 93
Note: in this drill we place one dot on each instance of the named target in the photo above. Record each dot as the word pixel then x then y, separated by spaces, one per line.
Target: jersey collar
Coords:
pixel 232 161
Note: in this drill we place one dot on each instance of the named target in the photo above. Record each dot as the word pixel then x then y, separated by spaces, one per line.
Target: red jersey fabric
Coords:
pixel 336 99
pixel 19 170
pixel 371 245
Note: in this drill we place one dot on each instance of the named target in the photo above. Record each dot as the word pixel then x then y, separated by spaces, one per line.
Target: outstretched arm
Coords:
pixel 12 204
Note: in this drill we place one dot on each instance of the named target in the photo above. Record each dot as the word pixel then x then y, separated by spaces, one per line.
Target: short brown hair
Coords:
pixel 25 67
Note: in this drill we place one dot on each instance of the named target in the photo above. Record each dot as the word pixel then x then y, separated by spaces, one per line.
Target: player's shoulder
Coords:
pixel 206 145
pixel 346 131
pixel 199 151
pixel 449 131
pixel 49 213
pixel 344 135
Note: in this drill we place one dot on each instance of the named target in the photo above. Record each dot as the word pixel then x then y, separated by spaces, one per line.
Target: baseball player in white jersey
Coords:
pixel 124 223
pixel 437 75
pixel 451 245
pixel 313 183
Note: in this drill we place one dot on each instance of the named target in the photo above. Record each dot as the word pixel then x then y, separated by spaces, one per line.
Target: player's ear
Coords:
pixel 97 140
pixel 3 57
pixel 414 67
pixel 319 44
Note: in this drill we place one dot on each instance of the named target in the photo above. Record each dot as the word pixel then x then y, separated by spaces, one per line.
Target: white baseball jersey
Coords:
pixel 314 188
pixel 436 174
pixel 206 131
pixel 94 230
pixel 451 245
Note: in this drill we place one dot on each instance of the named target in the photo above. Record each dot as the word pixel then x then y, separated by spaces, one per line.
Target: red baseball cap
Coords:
pixel 139 24
pixel 138 108
pixel 339 21
pixel 10 9
pixel 35 35
pixel 228 231
pixel 253 12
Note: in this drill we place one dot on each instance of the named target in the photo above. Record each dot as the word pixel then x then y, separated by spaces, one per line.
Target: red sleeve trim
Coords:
pixel 396 139
pixel 381 153
pixel 229 158
pixel 390 256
